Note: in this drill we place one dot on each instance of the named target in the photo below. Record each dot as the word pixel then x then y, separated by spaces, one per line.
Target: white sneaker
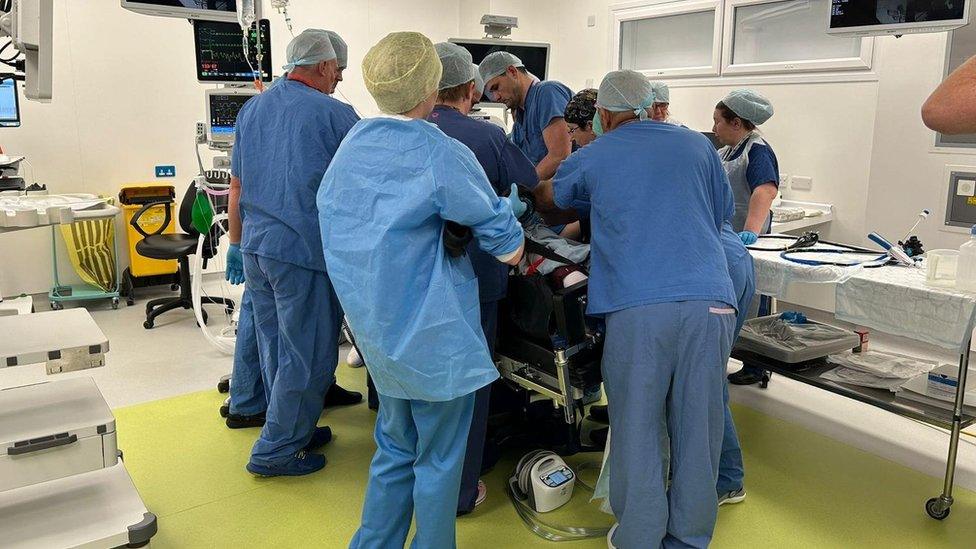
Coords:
pixel 735 496
pixel 482 493
pixel 353 359
pixel 610 544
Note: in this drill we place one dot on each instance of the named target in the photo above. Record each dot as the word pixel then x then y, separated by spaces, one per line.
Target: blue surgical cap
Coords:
pixel 308 48
pixel 496 63
pixel 341 49
pixel 456 63
pixel 749 105
pixel 662 94
pixel 625 90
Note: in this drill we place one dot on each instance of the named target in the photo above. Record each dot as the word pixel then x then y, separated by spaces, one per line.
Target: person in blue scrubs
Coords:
pixel 383 205
pixel 504 165
pixel 248 401
pixel 743 274
pixel 539 129
pixel 284 141
pixel 669 307
pixel 754 174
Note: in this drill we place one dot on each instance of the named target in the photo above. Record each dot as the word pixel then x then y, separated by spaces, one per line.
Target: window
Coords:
pixel 764 36
pixel 961 45
pixel 681 39
pixel 708 38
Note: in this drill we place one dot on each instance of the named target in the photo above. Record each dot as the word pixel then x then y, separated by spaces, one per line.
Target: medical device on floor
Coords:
pixel 544 480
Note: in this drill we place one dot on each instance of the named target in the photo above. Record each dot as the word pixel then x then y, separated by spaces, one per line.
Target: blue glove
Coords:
pixel 748 237
pixel 515 203
pixel 234 270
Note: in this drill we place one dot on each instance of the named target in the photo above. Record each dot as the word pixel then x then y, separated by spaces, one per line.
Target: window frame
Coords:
pixel 628 12
pixel 863 62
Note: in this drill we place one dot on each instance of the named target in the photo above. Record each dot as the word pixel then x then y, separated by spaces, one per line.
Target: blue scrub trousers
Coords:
pixel 664 370
pixel 247 396
pixel 416 472
pixel 297 318
pixel 479 420
pixel 730 470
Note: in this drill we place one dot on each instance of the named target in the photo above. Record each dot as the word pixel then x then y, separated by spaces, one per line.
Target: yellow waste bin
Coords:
pixel 144 271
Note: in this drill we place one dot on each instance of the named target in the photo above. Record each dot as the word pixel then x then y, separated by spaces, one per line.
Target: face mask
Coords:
pixel 597 125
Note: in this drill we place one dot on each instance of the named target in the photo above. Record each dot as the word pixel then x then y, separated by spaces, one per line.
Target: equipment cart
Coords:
pixel 895 300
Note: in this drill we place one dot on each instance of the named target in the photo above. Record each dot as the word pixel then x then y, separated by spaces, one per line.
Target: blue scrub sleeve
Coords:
pixel 763 167
pixel 464 195
pixel 552 100
pixel 514 166
pixel 342 121
pixel 568 186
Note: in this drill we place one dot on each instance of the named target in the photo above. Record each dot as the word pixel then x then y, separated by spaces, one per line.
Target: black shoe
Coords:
pixel 601 413
pixel 747 376
pixel 337 396
pixel 599 437
pixel 321 437
pixel 224 410
pixel 237 421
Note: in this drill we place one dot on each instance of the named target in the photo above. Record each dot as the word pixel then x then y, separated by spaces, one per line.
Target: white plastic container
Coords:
pixel 941 267
pixel 966 270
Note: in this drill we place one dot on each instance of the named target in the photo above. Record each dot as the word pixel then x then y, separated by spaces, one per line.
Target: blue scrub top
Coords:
pixel 544 102
pixel 284 141
pixel 504 164
pixel 655 218
pixel 413 309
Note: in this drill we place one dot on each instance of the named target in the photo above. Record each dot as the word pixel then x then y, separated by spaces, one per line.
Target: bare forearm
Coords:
pixel 234 211
pixel 546 168
pixel 544 197
pixel 759 205
pixel 951 108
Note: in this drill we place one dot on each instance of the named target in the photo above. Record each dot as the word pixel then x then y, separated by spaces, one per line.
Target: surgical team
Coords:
pixel 333 216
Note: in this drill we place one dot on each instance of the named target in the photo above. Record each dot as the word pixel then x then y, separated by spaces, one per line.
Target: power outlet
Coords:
pixel 591 21
pixel 201 133
pixel 801 183
pixel 784 181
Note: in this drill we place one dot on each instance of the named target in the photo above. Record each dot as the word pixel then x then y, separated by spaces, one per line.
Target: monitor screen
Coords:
pixel 866 13
pixel 215 10
pixel 9 104
pixel 220 52
pixel 223 114
pixel 535 56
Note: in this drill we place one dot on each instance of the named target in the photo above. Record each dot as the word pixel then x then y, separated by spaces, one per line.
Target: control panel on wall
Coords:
pixel 961 200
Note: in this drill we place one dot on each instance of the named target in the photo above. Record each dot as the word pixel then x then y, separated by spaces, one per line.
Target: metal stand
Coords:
pixel 938 507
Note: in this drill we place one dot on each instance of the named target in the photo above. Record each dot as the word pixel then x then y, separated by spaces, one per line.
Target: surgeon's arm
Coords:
pixel 951 109
pixel 464 196
pixel 234 211
pixel 759 205
pixel 559 145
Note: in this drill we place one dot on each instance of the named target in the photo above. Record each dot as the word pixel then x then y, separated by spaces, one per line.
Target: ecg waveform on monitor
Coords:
pixel 220 46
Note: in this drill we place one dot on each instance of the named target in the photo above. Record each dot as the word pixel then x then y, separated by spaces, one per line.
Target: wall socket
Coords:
pixel 801 183
pixel 591 21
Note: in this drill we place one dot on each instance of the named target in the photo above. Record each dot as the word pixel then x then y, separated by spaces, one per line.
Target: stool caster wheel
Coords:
pixel 223 386
pixel 764 382
pixel 937 509
pixel 129 301
pixel 148 325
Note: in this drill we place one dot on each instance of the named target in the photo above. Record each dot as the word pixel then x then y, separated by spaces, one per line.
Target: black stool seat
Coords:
pixel 167 246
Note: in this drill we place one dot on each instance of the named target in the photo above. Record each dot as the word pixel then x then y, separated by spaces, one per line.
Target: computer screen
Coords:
pixel 215 10
pixel 9 104
pixel 535 56
pixel 223 109
pixel 867 13
pixel 220 51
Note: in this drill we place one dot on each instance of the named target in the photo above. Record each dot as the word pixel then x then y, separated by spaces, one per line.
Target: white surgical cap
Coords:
pixel 622 91
pixel 479 82
pixel 749 105
pixel 308 48
pixel 662 94
pixel 456 62
pixel 341 49
pixel 401 70
pixel 496 63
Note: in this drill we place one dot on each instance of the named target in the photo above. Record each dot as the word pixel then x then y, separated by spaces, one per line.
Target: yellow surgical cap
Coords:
pixel 401 70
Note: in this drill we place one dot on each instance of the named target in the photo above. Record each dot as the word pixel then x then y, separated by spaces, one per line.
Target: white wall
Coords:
pixel 126 96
